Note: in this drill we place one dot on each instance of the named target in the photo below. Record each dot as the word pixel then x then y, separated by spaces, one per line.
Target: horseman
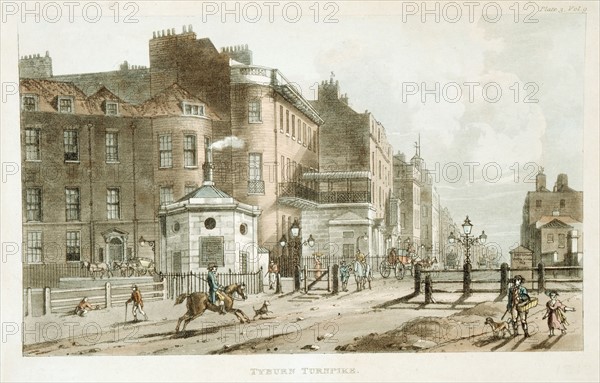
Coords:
pixel 214 286
pixel 360 257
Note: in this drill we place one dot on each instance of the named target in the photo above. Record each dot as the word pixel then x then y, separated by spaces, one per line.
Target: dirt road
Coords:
pixel 368 321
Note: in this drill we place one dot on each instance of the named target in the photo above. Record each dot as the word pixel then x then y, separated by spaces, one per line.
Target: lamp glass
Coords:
pixel 451 238
pixel 467 226
pixel 295 229
pixel 282 241
pixel 483 237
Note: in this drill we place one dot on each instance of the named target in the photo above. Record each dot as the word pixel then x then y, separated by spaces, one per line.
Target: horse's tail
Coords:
pixel 181 298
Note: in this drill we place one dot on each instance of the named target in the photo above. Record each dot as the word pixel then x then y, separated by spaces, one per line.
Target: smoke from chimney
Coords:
pixel 231 141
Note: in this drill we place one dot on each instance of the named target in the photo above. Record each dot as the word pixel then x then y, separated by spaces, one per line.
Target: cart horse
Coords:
pixel 94 268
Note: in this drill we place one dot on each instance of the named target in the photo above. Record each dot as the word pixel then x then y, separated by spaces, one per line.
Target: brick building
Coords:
pixel 353 207
pixel 408 182
pixel 551 219
pixel 83 160
pixel 191 96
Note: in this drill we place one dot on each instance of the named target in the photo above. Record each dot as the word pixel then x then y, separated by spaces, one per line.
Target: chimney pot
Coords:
pixel 184 29
pixel 154 34
pixel 190 27
pixel 173 31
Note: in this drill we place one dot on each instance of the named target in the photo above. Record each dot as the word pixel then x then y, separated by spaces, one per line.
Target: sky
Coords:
pixel 510 93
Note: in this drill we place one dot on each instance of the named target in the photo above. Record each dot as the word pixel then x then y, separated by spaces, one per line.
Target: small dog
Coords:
pixel 498 327
pixel 262 310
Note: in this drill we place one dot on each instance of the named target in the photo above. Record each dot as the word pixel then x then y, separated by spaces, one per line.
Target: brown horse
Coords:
pixel 198 303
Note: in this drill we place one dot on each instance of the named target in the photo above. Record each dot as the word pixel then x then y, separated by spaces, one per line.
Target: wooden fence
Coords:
pixel 187 283
pixel 65 300
pixel 559 278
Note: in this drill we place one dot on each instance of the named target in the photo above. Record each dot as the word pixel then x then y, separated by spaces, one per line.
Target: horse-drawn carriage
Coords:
pixel 135 266
pixel 399 263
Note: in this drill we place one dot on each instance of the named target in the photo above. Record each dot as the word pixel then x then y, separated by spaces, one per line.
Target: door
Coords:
pixel 177 261
pixel 115 250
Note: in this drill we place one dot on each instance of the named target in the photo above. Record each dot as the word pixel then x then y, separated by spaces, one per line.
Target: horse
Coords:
pixel 125 267
pixel 198 303
pixel 99 267
pixel 362 274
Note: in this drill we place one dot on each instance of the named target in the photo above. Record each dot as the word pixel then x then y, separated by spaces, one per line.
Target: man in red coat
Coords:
pixel 138 303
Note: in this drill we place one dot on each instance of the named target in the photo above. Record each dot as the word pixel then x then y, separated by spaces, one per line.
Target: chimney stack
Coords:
pixel 208 165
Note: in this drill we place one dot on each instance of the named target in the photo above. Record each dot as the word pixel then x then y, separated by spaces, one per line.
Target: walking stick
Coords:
pixel 125 311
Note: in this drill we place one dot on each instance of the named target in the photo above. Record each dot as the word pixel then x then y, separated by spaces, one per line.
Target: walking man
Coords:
pixel 519 303
pixel 138 303
pixel 213 287
pixel 273 271
pixel 344 275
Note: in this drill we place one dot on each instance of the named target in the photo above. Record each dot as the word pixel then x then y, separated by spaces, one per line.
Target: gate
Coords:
pixel 316 272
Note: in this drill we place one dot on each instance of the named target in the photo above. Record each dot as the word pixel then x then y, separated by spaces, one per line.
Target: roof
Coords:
pixel 336 175
pixel 521 249
pixel 206 191
pixel 565 219
pixel 556 224
pixel 48 91
pixel 97 100
pixel 168 103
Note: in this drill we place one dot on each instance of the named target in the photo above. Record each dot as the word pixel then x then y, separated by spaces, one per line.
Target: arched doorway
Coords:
pixel 115 250
pixel 115 245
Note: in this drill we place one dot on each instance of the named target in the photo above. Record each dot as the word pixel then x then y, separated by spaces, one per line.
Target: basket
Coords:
pixel 525 306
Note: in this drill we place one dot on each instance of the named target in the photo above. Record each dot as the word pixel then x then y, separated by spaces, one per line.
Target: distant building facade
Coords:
pixel 552 220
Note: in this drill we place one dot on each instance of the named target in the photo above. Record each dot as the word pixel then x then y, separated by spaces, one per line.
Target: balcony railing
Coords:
pixel 256 187
pixel 297 190
pixel 344 197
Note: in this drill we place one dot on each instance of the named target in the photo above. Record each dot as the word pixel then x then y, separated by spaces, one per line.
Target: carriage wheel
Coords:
pixel 400 270
pixel 130 271
pixel 384 269
pixel 141 272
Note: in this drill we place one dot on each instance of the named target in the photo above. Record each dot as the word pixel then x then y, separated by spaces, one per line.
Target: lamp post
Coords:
pixel 467 240
pixel 143 242
pixel 365 237
pixel 296 244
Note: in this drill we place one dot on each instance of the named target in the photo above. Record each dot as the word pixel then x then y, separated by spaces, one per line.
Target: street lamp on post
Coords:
pixel 467 240
pixel 365 237
pixel 143 242
pixel 296 245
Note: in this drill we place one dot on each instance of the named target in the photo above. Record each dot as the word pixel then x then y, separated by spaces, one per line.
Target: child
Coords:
pixel 555 312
